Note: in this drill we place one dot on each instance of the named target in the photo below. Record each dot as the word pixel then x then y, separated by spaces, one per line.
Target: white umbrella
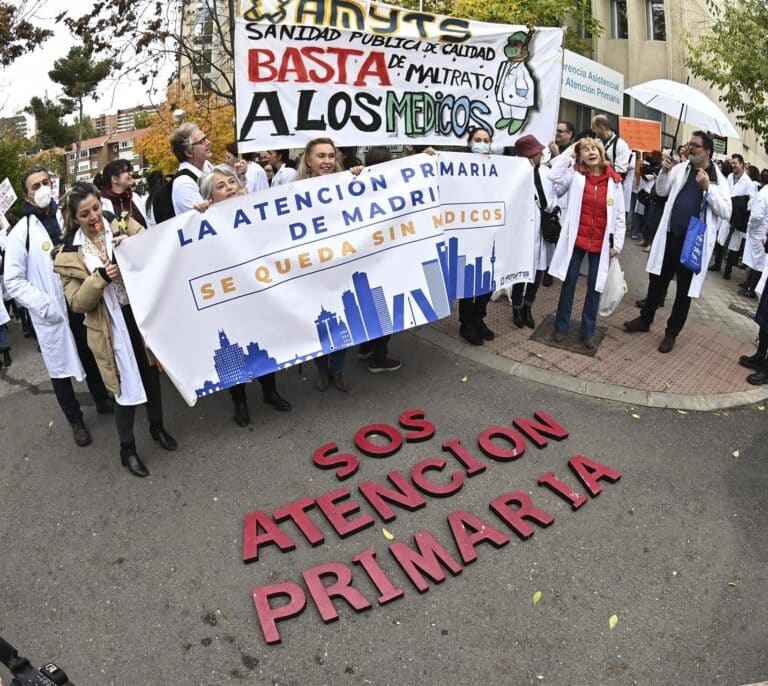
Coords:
pixel 684 103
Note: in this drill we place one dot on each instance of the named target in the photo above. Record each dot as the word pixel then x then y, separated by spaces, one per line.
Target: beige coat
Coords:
pixel 84 293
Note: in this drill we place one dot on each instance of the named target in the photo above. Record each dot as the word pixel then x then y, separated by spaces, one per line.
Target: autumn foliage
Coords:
pixel 217 119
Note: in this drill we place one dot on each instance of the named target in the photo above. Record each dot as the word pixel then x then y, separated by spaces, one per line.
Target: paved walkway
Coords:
pixel 701 373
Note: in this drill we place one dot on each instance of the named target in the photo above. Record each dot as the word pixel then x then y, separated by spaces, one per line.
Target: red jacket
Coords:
pixel 594 209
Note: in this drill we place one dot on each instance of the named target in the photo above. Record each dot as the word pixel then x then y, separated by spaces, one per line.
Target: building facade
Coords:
pixel 96 153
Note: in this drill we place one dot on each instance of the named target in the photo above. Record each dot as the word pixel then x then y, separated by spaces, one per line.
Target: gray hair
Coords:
pixel 181 140
pixel 205 182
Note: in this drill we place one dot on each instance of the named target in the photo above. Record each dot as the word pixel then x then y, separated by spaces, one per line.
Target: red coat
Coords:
pixel 594 213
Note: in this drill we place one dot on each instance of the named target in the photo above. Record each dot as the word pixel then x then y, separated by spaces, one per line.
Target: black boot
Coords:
pixel 527 317
pixel 7 357
pixel 470 334
pixel 517 317
pixel 241 416
pixel 130 460
pixel 759 360
pixel 485 332
pixel 161 436
pixel 717 262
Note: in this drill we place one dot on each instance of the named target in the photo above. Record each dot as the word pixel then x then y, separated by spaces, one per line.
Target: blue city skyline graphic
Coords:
pixel 367 314
pixel 466 277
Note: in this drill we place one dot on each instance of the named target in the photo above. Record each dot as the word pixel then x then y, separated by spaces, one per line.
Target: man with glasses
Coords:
pixel 564 135
pixel 192 149
pixel 31 282
pixel 688 187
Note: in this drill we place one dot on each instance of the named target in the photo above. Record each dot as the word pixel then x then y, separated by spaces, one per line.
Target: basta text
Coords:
pixel 427 558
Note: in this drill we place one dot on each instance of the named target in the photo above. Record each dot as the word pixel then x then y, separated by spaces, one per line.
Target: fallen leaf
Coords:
pixel 761 408
pixel 536 597
pixel 613 621
pixel 717 413
pixel 464 379
pixel 635 415
pixel 732 583
pixel 682 412
pixel 667 385
pixel 50 424
pixel 736 453
pixel 388 534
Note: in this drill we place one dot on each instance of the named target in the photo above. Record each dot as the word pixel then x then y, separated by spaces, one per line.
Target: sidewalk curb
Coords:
pixel 594 389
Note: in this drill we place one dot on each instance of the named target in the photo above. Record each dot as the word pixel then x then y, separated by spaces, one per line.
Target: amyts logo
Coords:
pixel 254 13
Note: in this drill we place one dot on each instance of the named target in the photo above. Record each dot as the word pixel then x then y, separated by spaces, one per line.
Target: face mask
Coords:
pixel 481 148
pixel 42 197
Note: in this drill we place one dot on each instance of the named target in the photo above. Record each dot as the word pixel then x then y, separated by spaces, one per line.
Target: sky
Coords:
pixel 28 75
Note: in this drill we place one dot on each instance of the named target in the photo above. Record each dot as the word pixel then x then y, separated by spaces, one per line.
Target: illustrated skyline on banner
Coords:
pixel 367 316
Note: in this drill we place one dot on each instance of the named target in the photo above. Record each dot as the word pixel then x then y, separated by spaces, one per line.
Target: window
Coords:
pixel 72 156
pixel 619 19
pixel 84 153
pixel 83 166
pixel 126 144
pixel 654 20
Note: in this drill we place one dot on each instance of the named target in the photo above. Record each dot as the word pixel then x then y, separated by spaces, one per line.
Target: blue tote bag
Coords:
pixel 692 254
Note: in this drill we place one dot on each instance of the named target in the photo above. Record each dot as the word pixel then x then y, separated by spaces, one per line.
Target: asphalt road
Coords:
pixel 141 581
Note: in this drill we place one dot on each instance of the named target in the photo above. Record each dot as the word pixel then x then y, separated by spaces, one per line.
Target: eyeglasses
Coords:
pixel 202 140
pixel 562 131
pixel 695 145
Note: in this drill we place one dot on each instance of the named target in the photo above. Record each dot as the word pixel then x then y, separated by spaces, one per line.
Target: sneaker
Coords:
pixel 667 344
pixel 588 342
pixel 638 324
pixel 364 355
pixel 747 293
pixel 634 236
pixel 559 336
pixel 385 365
pixel 758 378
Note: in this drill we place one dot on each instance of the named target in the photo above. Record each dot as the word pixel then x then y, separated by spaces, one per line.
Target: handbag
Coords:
pixel 692 254
pixel 614 289
pixel 550 221
pixel 644 197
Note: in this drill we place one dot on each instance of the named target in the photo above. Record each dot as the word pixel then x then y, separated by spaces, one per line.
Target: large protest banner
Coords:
pixel 368 73
pixel 487 213
pixel 264 281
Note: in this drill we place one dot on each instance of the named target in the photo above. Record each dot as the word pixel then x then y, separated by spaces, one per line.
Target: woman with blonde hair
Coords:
pixel 593 228
pixel 94 287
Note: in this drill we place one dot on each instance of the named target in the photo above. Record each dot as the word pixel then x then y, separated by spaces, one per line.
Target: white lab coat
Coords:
pixel 131 388
pixel 514 89
pixel 566 179
pixel 107 206
pixel 32 283
pixel 541 255
pixel 620 159
pixel 744 186
pixel 284 175
pixel 4 317
pixel 754 250
pixel 718 207
pixel 255 178
pixel 185 194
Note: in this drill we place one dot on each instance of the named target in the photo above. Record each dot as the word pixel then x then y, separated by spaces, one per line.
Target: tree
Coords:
pixel 149 34
pixel 12 161
pixel 79 76
pixel 17 34
pixel 51 129
pixel 212 115
pixel 727 55
pixel 574 14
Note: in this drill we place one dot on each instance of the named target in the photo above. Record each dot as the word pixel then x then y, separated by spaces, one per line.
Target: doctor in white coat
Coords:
pixel 686 186
pixel 117 196
pixel 31 282
pixel 754 250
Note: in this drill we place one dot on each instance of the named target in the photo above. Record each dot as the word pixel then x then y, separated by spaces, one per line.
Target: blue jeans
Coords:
pixel 333 362
pixel 591 300
pixel 3 336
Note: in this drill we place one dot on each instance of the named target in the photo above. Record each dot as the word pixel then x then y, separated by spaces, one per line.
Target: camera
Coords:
pixel 24 674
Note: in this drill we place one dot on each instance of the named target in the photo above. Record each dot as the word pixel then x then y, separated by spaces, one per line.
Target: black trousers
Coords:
pixel 150 379
pixel 473 309
pixel 658 285
pixel 379 347
pixel 63 388
pixel 268 384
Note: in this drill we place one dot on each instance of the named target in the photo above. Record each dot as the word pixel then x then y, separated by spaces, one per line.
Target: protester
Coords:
pixel 377 350
pixel 320 159
pixel 93 285
pixel 278 159
pixel 759 361
pixel 472 311
pixel 117 192
pixel 155 181
pixel 192 149
pixel 232 159
pixel 524 294
pixel 594 227
pixel 4 316
pixel 32 283
pixel 270 172
pixel 689 187
pixel 564 135
pixel 754 251
pixel 220 183
pixel 617 150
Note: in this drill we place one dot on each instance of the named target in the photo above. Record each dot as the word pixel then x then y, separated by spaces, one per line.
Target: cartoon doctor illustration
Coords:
pixel 515 87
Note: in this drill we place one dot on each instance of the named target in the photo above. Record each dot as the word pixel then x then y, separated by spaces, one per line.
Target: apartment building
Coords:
pixel 95 153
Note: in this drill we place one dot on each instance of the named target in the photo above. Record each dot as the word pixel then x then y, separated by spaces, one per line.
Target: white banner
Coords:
pixel 592 84
pixel 7 195
pixel 265 281
pixel 367 73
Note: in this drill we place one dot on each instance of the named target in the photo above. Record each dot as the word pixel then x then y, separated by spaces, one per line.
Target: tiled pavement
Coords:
pixel 701 373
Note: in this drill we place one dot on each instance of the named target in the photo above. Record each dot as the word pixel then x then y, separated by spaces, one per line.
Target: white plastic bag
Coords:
pixel 614 288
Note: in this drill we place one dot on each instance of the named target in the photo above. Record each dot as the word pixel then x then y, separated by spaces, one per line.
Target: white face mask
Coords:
pixel 42 197
pixel 484 148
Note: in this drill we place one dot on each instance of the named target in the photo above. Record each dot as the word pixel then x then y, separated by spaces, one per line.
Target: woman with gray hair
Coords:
pixel 220 183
